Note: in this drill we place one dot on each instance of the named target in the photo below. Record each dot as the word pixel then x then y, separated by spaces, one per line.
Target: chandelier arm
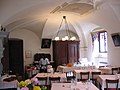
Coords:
pixel 68 31
pixel 66 27
pixel 59 28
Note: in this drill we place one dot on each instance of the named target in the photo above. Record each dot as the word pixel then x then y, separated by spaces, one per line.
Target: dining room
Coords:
pixel 70 40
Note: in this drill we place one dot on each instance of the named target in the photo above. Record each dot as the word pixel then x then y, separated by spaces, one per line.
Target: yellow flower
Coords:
pixel 27 82
pixel 21 84
pixel 36 88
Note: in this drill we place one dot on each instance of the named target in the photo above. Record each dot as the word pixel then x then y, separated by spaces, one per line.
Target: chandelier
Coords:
pixel 68 35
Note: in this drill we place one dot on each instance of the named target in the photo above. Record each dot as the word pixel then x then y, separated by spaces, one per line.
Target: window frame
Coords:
pixel 99 36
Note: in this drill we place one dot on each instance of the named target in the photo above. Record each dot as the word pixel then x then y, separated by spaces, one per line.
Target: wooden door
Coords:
pixel 16 56
pixel 73 51
pixel 60 52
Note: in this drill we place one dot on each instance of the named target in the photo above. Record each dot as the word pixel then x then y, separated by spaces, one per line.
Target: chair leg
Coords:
pixel 99 86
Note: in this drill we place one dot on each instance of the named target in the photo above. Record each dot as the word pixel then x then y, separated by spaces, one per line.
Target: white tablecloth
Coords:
pixel 5 85
pixel 68 69
pixel 71 86
pixel 101 79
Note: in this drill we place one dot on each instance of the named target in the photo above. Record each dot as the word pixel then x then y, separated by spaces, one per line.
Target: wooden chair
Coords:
pixel 94 77
pixel 10 79
pixel 119 70
pixel 115 70
pixel 112 82
pixel 42 80
pixel 70 76
pixel 54 80
pixel 84 76
pixel 101 66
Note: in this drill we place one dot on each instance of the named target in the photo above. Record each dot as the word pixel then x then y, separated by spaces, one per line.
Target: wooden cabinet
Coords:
pixel 65 52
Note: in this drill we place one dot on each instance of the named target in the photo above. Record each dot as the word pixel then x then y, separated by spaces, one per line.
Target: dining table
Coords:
pixel 8 85
pixel 66 68
pixel 72 68
pixel 8 82
pixel 106 70
pixel 73 86
pixel 102 80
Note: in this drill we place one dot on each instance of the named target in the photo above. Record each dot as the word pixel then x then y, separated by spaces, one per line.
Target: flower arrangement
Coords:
pixel 69 65
pixel 29 84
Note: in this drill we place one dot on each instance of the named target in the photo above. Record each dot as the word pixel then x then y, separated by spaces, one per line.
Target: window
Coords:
pixel 102 38
pixel 99 47
pixel 99 40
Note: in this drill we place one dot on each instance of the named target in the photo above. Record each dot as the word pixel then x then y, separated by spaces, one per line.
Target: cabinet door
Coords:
pixel 61 53
pixel 73 52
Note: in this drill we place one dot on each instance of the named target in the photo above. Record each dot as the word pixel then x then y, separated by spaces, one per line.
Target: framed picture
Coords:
pixel 46 43
pixel 28 54
pixel 116 39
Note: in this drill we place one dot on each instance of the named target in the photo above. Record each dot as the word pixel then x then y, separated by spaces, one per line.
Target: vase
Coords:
pixel 30 88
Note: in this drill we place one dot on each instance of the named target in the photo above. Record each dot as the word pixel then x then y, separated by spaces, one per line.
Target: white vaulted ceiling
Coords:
pixel 33 14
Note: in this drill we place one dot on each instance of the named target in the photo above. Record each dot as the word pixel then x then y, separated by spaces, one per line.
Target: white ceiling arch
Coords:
pixel 33 14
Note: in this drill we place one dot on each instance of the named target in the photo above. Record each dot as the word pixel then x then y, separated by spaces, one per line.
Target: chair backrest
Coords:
pixel 101 66
pixel 70 76
pixel 54 80
pixel 119 70
pixel 115 70
pixel 42 80
pixel 84 76
pixel 95 75
pixel 116 81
